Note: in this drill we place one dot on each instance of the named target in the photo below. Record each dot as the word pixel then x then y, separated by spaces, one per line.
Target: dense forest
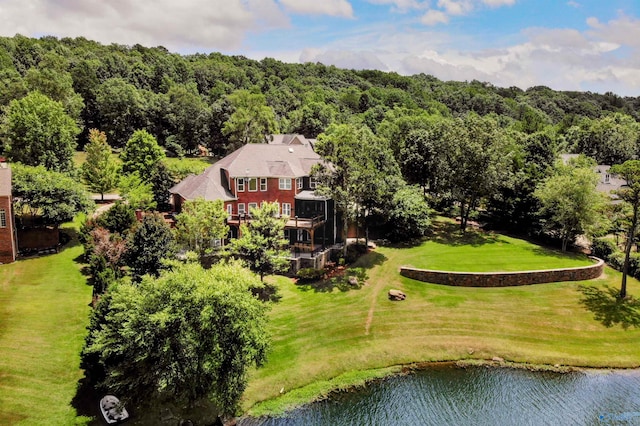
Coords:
pixel 442 134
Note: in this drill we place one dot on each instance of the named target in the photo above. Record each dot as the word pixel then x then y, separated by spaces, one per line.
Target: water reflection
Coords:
pixel 478 396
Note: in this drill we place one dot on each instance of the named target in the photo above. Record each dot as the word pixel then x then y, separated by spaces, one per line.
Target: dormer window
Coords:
pixel 606 178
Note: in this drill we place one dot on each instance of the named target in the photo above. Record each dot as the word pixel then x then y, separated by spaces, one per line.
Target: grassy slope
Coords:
pixel 44 308
pixel 320 335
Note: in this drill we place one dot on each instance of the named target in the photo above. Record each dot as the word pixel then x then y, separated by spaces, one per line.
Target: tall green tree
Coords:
pixel 100 171
pixel 200 224
pixel 47 197
pixel 630 194
pixel 252 119
pixel 189 335
pixel 122 110
pixel 161 181
pixel 571 201
pixel 151 242
pixel 479 161
pixel 37 131
pixel 141 154
pixel 137 193
pixel 261 244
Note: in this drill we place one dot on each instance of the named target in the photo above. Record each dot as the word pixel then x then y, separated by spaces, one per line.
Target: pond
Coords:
pixel 448 395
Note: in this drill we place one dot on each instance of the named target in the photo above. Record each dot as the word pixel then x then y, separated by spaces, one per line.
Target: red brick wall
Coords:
pixel 504 279
pixel 7 241
pixel 273 193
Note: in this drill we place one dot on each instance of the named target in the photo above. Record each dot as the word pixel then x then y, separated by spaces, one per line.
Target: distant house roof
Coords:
pixel 290 139
pixel 608 182
pixel 5 180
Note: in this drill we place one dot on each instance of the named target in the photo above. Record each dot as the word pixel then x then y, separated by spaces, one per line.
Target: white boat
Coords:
pixel 112 410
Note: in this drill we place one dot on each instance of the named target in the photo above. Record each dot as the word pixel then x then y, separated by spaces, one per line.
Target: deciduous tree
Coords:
pixel 261 244
pixel 251 121
pixel 630 172
pixel 100 171
pixel 187 335
pixel 141 154
pixel 200 224
pixel 47 197
pixel 37 131
pixel 151 242
pixel 570 200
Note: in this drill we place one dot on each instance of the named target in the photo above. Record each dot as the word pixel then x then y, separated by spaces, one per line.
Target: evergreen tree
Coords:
pixel 151 242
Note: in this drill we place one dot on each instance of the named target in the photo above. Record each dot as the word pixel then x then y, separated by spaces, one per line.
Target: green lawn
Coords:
pixel 326 339
pixel 485 252
pixel 44 309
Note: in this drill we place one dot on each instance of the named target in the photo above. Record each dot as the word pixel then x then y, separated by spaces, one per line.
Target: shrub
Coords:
pixel 603 248
pixel 616 260
pixel 309 275
pixel 354 251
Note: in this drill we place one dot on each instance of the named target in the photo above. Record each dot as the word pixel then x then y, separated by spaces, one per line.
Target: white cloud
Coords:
pixel 434 17
pixel 358 60
pixel 623 31
pixel 402 5
pixel 176 24
pixel 456 7
pixel 499 3
pixel 319 7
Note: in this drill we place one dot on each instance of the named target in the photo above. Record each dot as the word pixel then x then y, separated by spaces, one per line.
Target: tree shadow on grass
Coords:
pixel 352 279
pixel 449 233
pixel 608 308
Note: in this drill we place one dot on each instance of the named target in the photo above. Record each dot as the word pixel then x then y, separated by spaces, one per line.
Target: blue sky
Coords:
pixel 567 45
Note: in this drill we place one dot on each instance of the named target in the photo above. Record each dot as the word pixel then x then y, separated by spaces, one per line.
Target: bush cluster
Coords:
pixel 309 275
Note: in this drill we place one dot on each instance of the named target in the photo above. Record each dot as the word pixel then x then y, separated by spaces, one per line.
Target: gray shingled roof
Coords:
pixel 252 160
pixel 270 161
pixel 209 185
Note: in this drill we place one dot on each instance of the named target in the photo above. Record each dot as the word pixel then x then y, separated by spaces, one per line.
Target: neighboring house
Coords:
pixel 608 183
pixel 8 240
pixel 275 172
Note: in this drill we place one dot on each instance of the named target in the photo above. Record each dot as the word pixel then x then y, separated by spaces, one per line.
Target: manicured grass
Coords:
pixel 321 336
pixel 485 252
pixel 44 309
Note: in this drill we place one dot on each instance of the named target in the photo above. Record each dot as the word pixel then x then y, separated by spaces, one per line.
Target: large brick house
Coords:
pixel 276 172
pixel 8 242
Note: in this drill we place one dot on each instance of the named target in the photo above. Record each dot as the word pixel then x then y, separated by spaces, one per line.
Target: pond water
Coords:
pixel 447 395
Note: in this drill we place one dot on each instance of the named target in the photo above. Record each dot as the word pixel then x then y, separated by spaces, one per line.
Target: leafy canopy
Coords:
pixel 47 197
pixel 37 131
pixel 189 334
pixel 100 171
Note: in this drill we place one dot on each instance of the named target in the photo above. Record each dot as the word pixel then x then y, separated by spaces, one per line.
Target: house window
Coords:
pixel 313 183
pixel 3 218
pixel 241 209
pixel 284 183
pixel 303 235
pixel 299 183
pixel 606 178
pixel 252 206
pixel 253 184
pixel 229 209
pixel 277 208
pixel 286 209
pixel 263 184
pixel 240 184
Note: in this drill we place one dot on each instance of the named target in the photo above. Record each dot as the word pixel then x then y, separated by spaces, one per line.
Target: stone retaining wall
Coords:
pixel 505 279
